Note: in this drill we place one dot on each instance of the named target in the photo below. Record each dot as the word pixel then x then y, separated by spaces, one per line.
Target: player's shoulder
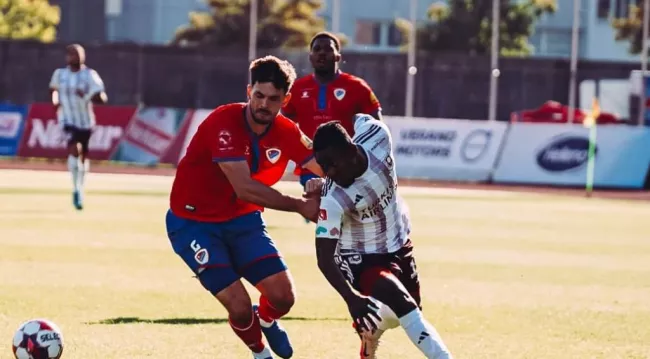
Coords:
pixel 366 125
pixel 227 113
pixel 229 116
pixel 353 80
pixel 328 193
pixel 60 70
pixel 302 82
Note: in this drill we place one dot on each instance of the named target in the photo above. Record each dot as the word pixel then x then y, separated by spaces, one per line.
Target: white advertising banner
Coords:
pixel 445 149
pixel 557 154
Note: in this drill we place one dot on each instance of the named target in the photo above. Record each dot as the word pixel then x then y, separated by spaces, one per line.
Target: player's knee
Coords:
pixel 389 291
pixel 240 315
pixel 283 298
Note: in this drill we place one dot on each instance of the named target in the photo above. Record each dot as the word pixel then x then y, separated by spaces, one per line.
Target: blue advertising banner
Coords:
pixel 556 154
pixel 12 123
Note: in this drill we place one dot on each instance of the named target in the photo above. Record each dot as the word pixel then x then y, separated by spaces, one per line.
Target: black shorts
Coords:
pixel 400 263
pixel 77 135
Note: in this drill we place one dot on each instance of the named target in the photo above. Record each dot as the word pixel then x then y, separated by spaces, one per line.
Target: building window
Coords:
pixel 368 32
pixel 622 7
pixel 395 37
pixel 604 7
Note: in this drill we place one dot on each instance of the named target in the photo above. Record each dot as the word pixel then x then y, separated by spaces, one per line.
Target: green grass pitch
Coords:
pixel 504 275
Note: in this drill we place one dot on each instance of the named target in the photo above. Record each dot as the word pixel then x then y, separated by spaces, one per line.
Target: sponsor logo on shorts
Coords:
pixel 202 256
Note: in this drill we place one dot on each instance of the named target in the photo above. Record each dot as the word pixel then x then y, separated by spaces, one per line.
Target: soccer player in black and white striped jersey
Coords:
pixel 363 235
pixel 75 89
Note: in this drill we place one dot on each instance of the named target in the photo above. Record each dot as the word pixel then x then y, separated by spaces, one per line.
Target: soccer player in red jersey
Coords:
pixel 328 94
pixel 221 188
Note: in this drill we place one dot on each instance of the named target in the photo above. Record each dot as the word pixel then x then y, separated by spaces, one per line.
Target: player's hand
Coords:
pixel 309 208
pixel 313 187
pixel 363 312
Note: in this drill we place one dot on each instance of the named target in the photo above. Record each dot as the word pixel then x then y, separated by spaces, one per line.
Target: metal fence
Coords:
pixel 447 86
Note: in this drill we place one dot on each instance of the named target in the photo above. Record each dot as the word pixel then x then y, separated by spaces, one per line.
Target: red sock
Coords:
pixel 268 312
pixel 249 333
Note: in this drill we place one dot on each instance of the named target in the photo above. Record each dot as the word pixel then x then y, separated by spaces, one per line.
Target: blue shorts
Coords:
pixel 306 177
pixel 222 253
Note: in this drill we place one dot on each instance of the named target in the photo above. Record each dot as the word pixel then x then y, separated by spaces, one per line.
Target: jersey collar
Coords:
pixel 336 76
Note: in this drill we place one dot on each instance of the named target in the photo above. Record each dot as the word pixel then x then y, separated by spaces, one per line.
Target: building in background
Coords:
pixel 81 21
pixel 147 21
pixel 368 24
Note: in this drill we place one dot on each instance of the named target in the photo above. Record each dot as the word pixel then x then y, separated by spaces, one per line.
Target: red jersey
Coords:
pixel 202 192
pixel 313 103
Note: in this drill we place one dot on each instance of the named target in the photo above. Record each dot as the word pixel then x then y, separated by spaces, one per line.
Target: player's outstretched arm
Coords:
pixel 250 190
pixel 362 309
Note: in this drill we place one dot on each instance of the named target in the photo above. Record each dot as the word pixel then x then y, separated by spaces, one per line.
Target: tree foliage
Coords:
pixel 29 20
pixel 281 23
pixel 466 26
pixel 630 28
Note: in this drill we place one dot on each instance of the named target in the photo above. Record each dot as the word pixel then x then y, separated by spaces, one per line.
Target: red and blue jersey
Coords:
pixel 202 192
pixel 313 103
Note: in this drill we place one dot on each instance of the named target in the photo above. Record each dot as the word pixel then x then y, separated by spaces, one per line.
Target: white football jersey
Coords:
pixel 75 110
pixel 367 217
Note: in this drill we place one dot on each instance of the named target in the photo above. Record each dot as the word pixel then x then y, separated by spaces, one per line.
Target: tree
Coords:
pixel 466 26
pixel 281 23
pixel 29 20
pixel 630 28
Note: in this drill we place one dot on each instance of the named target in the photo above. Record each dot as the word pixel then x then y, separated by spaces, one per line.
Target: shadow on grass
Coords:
pixel 192 321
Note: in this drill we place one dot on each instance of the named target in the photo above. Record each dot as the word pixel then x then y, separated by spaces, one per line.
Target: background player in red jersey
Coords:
pixel 222 186
pixel 328 94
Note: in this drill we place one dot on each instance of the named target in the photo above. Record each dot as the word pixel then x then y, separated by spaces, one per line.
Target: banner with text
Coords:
pixel 44 137
pixel 557 154
pixel 445 149
pixel 12 122
pixel 154 135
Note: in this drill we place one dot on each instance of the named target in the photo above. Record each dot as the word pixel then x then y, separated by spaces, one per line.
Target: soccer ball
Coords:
pixel 38 339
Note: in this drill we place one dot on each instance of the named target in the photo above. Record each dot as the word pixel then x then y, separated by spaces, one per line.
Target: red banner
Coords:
pixel 43 137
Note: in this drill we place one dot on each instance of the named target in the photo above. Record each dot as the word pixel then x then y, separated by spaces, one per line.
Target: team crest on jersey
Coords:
pixel 202 256
pixel 339 93
pixel 273 155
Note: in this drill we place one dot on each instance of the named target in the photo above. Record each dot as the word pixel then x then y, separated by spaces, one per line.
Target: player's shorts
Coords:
pixel 78 135
pixel 221 253
pixel 400 263
pixel 304 177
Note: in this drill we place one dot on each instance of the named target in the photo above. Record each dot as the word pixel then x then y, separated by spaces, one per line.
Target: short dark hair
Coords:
pixel 326 35
pixel 331 134
pixel 271 69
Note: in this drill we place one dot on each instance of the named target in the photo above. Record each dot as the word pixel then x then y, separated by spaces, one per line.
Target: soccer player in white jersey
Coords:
pixel 74 90
pixel 362 235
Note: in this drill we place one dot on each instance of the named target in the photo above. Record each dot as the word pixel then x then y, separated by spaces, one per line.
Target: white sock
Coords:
pixel 266 353
pixel 73 167
pixel 389 319
pixel 266 324
pixel 424 335
pixel 83 170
